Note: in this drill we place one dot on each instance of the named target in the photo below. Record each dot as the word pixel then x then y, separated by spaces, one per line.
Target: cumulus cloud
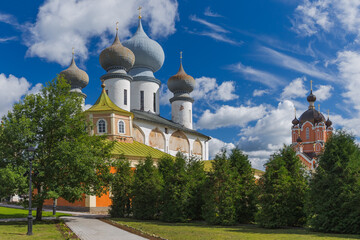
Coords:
pixel 227 116
pixel 61 25
pixel 295 89
pixel 270 132
pixel 256 75
pixel 13 89
pixel 313 16
pixel 216 145
pixel 323 92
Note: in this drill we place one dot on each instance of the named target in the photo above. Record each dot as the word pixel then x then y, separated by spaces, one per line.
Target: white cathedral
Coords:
pixel 128 108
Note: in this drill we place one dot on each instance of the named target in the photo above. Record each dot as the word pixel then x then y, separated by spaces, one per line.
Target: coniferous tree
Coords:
pixel 175 193
pixel 282 191
pixel 334 196
pixel 121 188
pixel 196 180
pixel 219 205
pixel 245 192
pixel 146 190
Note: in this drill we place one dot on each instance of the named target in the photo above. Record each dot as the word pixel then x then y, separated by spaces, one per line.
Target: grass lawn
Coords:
pixel 18 230
pixel 21 213
pixel 197 231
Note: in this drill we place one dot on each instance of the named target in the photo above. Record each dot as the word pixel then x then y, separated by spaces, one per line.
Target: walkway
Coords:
pixel 93 229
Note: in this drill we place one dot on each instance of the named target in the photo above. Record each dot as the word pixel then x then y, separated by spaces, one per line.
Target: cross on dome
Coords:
pixel 139 11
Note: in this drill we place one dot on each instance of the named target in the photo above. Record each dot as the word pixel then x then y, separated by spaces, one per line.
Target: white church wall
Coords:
pixel 181 112
pixel 149 89
pixel 115 90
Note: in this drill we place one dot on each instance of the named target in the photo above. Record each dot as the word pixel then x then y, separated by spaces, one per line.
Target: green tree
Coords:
pixel 245 194
pixel 196 180
pixel 68 162
pixel 219 206
pixel 146 190
pixel 334 196
pixel 12 182
pixel 121 189
pixel 175 193
pixel 283 189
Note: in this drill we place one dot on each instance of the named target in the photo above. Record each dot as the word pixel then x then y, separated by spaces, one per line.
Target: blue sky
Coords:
pixel 252 60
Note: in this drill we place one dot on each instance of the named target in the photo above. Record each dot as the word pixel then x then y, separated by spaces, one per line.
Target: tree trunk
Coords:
pixel 40 204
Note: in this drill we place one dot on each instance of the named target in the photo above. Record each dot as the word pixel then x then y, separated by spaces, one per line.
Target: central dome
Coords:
pixel 148 53
pixel 311 115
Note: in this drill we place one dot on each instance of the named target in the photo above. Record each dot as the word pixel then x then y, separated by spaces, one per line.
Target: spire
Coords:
pixel 295 121
pixel 311 98
pixel 140 12
pixel 319 108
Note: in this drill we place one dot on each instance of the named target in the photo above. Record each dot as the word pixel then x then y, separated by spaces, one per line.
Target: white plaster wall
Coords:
pixel 147 127
pixel 115 88
pixel 181 112
pixel 149 89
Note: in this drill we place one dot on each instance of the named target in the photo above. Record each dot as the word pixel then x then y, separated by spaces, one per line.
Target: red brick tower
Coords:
pixel 310 133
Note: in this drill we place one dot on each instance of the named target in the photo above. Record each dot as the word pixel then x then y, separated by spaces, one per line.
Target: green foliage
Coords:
pixel 175 192
pixel 12 182
pixel 245 190
pixel 146 190
pixel 196 180
pixel 121 189
pixel 334 196
pixel 219 206
pixel 68 162
pixel 283 189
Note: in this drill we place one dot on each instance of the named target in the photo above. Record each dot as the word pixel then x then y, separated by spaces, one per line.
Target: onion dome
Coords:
pixel 299 139
pixel 116 56
pixel 328 122
pixel 76 77
pixel 148 53
pixel 181 82
pixel 295 121
pixel 311 97
pixel 311 115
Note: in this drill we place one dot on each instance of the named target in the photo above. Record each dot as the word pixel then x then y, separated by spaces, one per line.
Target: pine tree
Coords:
pixel 121 189
pixel 146 190
pixel 245 194
pixel 219 206
pixel 334 197
pixel 282 191
pixel 175 193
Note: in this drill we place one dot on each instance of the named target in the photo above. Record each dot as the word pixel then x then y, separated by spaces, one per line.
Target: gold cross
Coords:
pixel 311 85
pixel 319 107
pixel 139 11
pixel 295 111
pixel 117 26
pixel 328 113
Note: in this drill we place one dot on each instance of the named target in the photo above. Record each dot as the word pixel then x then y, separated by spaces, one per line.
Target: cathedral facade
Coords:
pixel 310 133
pixel 128 110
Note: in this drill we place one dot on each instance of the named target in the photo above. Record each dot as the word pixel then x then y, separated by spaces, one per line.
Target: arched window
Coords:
pixel 307 133
pixel 121 126
pixel 101 126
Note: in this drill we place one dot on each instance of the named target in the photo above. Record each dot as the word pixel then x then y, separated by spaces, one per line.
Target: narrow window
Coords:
pixel 125 96
pixel 107 92
pixel 101 126
pixel 142 100
pixel 121 126
pixel 166 130
pixel 307 133
pixel 154 102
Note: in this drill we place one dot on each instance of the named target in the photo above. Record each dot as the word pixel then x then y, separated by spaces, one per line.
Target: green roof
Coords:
pixel 208 167
pixel 137 149
pixel 104 104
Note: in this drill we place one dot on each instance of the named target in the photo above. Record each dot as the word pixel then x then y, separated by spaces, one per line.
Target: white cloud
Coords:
pixel 330 16
pixel 294 64
pixel 12 89
pixel 8 19
pixel 295 89
pixel 208 12
pixel 257 75
pixel 208 88
pixel 323 92
pixel 268 134
pixel 259 93
pixel 165 95
pixel 214 31
pixel 7 39
pixel 227 116
pixel 61 25
pixel 216 145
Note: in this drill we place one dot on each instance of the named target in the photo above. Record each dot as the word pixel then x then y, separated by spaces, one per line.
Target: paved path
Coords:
pixel 93 229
